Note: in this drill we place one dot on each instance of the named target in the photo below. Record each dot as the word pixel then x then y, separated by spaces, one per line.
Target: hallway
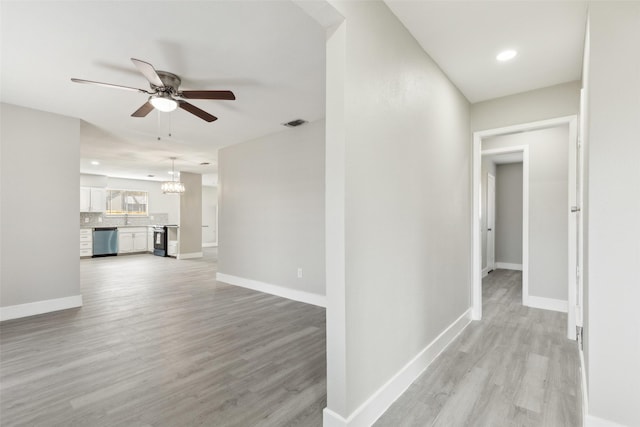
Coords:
pixel 513 368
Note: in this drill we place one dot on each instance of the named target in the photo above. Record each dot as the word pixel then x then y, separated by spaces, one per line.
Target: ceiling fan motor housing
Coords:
pixel 171 82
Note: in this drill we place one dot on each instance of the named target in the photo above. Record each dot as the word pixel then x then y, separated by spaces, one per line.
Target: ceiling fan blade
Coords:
pixel 148 71
pixel 207 94
pixel 144 110
pixel 196 111
pixel 108 85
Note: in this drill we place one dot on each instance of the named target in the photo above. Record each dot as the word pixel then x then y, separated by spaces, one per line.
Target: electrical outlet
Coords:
pixel 86 219
pixel 99 219
pixel 299 273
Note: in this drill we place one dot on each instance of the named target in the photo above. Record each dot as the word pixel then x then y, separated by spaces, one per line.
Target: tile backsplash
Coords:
pixel 92 219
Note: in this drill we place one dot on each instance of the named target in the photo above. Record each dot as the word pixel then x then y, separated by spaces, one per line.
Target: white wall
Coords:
pixel 540 104
pixel 509 213
pixel 190 236
pixel 398 164
pixel 271 209
pixel 548 204
pixel 209 215
pixel 40 154
pixel 613 343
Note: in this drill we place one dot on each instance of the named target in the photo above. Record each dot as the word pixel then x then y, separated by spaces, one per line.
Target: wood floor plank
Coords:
pixel 514 368
pixel 159 342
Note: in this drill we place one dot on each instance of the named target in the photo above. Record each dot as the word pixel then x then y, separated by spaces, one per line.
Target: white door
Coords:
pixel 491 222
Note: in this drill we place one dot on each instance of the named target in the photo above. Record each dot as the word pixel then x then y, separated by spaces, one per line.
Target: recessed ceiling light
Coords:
pixel 506 55
pixel 95 162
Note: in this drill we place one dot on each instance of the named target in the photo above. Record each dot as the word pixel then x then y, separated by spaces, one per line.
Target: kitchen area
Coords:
pixel 118 221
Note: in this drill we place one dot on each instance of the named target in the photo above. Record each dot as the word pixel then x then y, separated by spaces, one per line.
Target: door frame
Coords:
pixel 476 294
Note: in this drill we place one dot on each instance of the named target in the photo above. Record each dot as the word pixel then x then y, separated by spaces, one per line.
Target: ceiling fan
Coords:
pixel 165 88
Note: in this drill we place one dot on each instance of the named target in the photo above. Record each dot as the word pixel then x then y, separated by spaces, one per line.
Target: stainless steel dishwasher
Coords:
pixel 105 241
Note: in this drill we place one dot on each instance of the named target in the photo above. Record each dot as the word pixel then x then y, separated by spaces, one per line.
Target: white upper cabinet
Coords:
pixel 93 199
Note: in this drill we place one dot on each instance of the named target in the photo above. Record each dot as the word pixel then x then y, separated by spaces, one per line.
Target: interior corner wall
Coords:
pixel 190 233
pixel 613 127
pixel 540 104
pixel 40 158
pixel 488 167
pixel 548 204
pixel 209 215
pixel 271 209
pixel 407 202
pixel 508 243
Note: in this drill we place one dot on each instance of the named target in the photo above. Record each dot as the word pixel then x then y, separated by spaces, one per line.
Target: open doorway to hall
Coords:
pixel 502 214
pixel 525 185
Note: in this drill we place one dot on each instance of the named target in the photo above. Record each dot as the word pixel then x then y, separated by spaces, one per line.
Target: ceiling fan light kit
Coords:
pixel 163 102
pixel 165 87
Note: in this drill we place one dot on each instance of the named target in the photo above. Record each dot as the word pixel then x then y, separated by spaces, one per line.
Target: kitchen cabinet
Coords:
pixel 131 240
pixel 86 242
pixel 93 199
pixel 150 239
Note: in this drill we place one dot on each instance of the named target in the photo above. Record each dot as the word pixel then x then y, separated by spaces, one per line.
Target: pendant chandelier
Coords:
pixel 173 186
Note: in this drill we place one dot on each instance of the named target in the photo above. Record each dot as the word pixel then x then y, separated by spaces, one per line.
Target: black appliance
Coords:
pixel 160 240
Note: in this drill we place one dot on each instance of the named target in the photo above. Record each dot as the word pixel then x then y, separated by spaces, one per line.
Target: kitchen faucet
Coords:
pixel 126 219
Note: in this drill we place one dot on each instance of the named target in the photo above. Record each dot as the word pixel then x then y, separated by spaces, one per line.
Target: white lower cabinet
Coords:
pixel 150 240
pixel 172 248
pixel 132 240
pixel 140 241
pixel 86 242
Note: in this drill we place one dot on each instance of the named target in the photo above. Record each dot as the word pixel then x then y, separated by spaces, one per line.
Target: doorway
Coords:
pixel 570 304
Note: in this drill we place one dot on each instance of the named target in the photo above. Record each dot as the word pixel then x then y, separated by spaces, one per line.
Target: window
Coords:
pixel 127 202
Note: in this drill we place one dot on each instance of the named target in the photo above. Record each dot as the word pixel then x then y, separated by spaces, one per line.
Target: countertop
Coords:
pixel 91 227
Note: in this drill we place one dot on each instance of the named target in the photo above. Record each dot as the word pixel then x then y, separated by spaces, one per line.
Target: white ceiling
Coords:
pixel 464 37
pixel 270 53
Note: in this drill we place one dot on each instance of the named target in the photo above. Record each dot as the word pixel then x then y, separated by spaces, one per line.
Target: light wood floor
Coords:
pixel 160 343
pixel 514 368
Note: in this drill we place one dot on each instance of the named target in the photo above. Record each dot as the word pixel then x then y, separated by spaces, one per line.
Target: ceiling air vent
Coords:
pixel 294 123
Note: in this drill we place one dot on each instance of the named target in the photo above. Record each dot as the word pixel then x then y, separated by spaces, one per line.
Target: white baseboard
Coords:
pixel 508 266
pixel 281 291
pixel 190 255
pixel 591 421
pixel 485 272
pixel 547 303
pixel 39 307
pixel 210 245
pixel 367 413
